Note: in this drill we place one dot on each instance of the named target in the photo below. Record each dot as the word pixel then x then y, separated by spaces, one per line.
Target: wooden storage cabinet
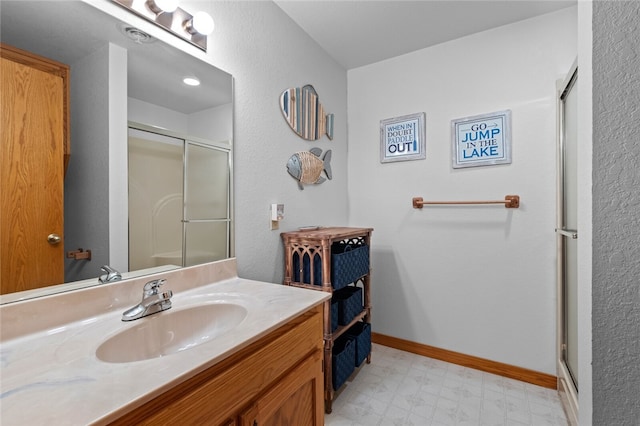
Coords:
pixel 308 264
pixel 277 380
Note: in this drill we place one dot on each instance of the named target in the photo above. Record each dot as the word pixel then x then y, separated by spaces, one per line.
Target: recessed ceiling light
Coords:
pixel 191 81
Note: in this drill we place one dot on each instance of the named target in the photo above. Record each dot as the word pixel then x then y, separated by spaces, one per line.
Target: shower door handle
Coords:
pixel 571 233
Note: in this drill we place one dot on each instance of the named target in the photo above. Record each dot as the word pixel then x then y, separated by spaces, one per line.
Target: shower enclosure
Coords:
pixel 179 199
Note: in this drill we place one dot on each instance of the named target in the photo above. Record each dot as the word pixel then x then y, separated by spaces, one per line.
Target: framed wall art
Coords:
pixel 481 140
pixel 403 138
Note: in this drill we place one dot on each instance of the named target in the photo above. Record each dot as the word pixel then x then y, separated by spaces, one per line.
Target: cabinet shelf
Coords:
pixel 308 264
pixel 343 328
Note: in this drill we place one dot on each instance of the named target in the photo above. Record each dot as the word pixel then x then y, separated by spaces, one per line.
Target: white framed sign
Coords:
pixel 403 138
pixel 481 140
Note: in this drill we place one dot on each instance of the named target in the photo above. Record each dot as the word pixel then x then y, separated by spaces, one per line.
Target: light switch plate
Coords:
pixel 277 214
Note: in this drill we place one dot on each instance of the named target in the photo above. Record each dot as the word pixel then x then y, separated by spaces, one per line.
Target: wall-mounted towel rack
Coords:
pixel 510 202
pixel 80 254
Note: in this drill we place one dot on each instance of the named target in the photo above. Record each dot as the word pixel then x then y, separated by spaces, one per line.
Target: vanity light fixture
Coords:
pixel 167 15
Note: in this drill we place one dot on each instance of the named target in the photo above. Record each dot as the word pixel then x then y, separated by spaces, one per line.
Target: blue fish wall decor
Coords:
pixel 306 166
pixel 304 113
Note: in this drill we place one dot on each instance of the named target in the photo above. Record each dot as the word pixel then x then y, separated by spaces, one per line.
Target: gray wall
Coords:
pixel 267 53
pixel 616 213
pixel 86 190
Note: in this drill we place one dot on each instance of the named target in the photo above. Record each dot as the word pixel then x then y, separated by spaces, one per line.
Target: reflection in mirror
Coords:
pixel 179 191
pixel 116 80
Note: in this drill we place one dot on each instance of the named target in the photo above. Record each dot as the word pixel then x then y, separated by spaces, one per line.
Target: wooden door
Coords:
pixel 34 146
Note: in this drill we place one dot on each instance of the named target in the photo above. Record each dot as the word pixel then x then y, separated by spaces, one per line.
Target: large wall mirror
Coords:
pixel 134 123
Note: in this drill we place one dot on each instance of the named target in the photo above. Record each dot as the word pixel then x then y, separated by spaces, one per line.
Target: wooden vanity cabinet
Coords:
pixel 292 401
pixel 277 380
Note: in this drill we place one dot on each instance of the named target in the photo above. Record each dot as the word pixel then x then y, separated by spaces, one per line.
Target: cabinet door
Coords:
pixel 296 400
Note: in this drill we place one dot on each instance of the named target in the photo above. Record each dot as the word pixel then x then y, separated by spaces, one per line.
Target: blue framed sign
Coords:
pixel 481 140
pixel 403 138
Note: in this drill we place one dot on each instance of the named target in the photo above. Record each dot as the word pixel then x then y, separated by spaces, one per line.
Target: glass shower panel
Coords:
pixel 206 203
pixel 206 182
pixel 205 241
pixel 155 167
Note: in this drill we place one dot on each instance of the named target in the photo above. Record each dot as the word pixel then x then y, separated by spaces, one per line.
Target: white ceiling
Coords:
pixel 357 33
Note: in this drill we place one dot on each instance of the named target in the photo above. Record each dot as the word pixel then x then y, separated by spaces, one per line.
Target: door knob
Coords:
pixel 53 239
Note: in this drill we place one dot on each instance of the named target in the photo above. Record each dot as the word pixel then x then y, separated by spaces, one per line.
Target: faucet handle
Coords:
pixel 152 287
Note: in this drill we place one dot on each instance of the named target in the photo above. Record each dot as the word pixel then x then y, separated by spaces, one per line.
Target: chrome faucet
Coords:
pixel 152 301
pixel 111 275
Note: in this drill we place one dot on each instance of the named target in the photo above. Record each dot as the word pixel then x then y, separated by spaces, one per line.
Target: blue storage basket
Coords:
pixel 349 303
pixel 349 262
pixel 361 334
pixel 334 314
pixel 344 353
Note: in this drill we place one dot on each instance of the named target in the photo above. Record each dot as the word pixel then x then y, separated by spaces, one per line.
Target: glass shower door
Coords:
pixel 567 245
pixel 568 228
pixel 207 213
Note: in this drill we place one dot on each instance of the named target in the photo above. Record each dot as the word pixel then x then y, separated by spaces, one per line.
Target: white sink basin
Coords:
pixel 170 332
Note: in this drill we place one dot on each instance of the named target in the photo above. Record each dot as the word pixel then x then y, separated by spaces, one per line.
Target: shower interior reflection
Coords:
pixel 179 199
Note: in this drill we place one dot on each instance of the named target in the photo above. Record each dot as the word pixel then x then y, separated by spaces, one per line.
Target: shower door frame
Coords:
pixel 567 386
pixel 186 220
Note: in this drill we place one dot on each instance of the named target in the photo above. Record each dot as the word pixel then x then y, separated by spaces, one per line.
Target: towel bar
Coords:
pixel 510 202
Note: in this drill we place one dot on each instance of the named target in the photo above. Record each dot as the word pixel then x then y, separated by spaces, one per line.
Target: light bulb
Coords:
pixel 162 6
pixel 168 6
pixel 202 23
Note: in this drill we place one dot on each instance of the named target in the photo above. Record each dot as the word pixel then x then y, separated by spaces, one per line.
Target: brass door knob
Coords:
pixel 53 239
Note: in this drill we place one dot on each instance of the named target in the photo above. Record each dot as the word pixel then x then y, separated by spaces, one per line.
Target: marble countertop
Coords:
pixel 52 375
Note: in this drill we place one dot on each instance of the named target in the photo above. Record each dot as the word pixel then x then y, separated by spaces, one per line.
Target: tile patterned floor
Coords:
pixel 400 388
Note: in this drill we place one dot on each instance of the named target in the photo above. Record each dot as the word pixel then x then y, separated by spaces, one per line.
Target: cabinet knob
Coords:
pixel 53 239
